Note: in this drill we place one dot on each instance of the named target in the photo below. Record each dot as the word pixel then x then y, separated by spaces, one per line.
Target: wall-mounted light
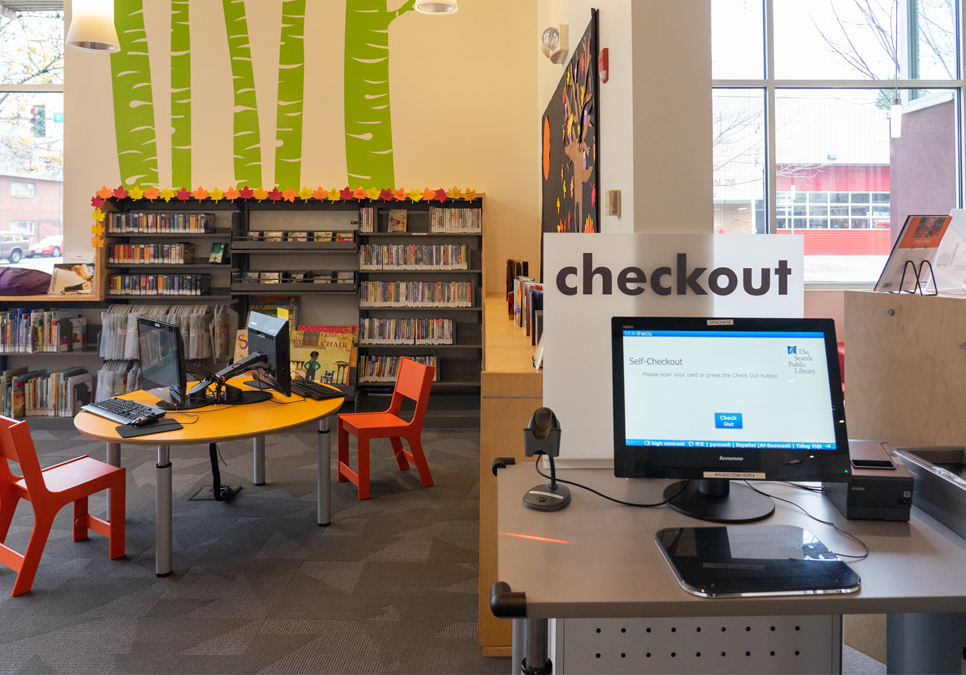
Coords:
pixel 553 44
pixel 92 26
pixel 432 7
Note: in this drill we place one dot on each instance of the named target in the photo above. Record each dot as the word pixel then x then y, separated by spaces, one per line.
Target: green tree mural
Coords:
pixel 247 143
pixel 180 95
pixel 291 84
pixel 137 154
pixel 368 126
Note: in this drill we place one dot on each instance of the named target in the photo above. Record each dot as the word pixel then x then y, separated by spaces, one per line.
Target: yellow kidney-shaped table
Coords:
pixel 217 424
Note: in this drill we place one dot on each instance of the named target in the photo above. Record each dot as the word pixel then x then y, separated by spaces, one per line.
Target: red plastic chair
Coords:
pixel 413 381
pixel 50 490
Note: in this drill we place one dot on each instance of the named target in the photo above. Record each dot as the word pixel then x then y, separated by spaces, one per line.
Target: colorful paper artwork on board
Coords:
pixel 571 195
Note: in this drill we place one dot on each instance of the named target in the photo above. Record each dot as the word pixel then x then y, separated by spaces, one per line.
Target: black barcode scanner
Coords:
pixel 542 437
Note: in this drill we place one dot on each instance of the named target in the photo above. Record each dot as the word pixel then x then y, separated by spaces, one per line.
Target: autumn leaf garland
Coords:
pixel 372 194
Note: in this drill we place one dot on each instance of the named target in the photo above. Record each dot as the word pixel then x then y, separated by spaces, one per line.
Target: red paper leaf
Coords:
pixel 120 192
pixel 97 202
pixel 441 195
pixel 275 195
pixel 386 195
pixel 246 192
pixel 346 193
pixel 183 194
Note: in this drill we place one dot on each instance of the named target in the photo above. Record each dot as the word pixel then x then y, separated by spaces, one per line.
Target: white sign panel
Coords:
pixel 589 278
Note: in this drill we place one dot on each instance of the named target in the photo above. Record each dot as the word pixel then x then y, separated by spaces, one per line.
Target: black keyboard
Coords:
pixel 121 410
pixel 314 390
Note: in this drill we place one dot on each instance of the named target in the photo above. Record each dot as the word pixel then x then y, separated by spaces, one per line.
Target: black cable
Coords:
pixel 824 522
pixel 618 501
pixel 810 488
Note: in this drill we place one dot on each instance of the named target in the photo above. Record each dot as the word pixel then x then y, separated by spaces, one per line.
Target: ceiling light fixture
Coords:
pixel 92 26
pixel 895 112
pixel 431 7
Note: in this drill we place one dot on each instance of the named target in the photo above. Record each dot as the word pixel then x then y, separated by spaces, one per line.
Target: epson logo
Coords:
pixel 722 458
pixel 631 280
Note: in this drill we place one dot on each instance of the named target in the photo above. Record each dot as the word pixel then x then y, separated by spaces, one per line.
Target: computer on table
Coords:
pixel 717 401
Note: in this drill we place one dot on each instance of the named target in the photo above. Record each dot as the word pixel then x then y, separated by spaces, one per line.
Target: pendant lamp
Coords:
pixel 92 26
pixel 436 7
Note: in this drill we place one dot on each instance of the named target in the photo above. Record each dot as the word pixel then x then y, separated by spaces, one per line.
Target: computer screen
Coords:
pixel 713 400
pixel 269 336
pixel 161 351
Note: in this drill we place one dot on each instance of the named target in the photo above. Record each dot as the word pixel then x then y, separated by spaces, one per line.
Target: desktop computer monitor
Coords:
pixel 717 401
pixel 161 350
pixel 268 335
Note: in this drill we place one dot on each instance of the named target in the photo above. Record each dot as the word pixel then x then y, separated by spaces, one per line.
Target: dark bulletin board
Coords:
pixel 570 162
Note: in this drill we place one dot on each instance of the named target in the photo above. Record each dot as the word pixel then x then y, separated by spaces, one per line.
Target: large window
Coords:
pixel 32 126
pixel 802 129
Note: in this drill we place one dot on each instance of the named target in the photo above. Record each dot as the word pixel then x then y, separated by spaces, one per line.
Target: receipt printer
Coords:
pixel 880 487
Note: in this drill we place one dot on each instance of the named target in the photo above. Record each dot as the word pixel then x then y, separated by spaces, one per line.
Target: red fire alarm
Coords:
pixel 603 64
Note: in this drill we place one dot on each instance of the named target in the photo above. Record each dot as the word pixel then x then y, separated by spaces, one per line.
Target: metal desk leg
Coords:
pixel 258 455
pixel 926 643
pixel 537 661
pixel 162 518
pixel 519 644
pixel 114 459
pixel 324 495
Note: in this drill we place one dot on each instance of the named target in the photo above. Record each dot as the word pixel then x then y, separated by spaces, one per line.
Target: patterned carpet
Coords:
pixel 258 587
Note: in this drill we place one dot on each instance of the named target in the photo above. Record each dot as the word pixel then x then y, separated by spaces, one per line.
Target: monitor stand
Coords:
pixel 719 501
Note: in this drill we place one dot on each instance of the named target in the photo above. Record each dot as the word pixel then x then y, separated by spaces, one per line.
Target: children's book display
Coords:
pixel 29 331
pixel 325 354
pixel 929 255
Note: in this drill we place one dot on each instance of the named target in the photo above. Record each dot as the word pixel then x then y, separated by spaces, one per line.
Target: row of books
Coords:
pixel 160 223
pixel 326 277
pixel 205 329
pixel 407 331
pixel 528 307
pixel 416 294
pixel 311 235
pixel 414 257
pixel 461 221
pixel 367 219
pixel 36 330
pixel 151 254
pixel 159 284
pixel 384 368
pixel 35 393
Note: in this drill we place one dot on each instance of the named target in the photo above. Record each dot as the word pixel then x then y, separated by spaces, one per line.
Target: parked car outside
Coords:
pixel 13 246
pixel 52 246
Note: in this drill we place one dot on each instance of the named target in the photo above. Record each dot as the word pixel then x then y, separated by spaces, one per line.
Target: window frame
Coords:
pixel 770 85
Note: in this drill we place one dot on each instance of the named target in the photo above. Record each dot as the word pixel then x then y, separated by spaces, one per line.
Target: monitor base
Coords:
pixel 547 497
pixel 719 501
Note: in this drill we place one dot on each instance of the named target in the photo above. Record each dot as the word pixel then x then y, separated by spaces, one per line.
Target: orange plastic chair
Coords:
pixel 413 381
pixel 50 490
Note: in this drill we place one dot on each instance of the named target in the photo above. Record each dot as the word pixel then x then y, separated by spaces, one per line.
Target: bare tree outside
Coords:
pixel 31 124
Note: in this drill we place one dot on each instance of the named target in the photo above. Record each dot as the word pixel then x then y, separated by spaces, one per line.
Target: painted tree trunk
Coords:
pixel 247 143
pixel 291 84
pixel 180 95
pixel 137 152
pixel 368 124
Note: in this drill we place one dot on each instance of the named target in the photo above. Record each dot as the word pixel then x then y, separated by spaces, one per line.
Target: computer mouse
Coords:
pixel 145 421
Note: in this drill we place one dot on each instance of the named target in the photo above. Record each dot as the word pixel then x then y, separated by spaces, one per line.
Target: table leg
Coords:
pixel 324 495
pixel 518 645
pixel 114 459
pixel 162 522
pixel 258 455
pixel 926 643
pixel 537 661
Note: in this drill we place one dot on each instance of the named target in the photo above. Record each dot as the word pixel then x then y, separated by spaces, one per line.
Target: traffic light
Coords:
pixel 38 120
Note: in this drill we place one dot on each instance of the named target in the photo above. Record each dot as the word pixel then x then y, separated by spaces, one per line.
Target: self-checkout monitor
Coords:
pixel 716 402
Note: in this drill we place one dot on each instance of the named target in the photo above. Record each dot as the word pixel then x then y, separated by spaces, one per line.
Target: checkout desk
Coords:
pixel 596 570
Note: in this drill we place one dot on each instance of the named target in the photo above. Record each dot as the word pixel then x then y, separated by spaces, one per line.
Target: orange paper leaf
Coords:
pixel 200 193
pixel 105 192
pixel 97 242
pixel 260 194
pixel 291 194
pixel 151 193
pixel 469 195
pixel 97 230
pixel 231 194
pixel 428 194
pixel 359 193
pixel 400 195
